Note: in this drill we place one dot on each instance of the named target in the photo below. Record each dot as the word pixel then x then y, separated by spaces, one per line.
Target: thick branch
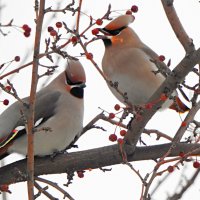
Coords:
pixel 94 158
pixel 177 26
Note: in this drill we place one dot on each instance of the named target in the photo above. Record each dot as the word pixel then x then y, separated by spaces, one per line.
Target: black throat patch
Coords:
pixel 77 92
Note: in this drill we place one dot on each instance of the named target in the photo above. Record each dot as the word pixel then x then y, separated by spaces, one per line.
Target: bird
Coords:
pixel 59 111
pixel 127 61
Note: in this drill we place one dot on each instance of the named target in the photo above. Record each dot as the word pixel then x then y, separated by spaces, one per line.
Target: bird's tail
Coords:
pixel 179 106
pixel 3 152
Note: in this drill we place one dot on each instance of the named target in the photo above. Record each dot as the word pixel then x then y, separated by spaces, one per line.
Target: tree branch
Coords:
pixel 31 113
pixel 177 27
pixel 93 158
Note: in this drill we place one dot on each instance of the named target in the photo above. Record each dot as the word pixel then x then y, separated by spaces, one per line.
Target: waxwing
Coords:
pixel 59 113
pixel 127 61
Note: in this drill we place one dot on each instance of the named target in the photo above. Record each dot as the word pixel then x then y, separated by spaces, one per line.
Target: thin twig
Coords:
pixel 190 182
pixel 44 191
pixel 78 16
pixel 55 185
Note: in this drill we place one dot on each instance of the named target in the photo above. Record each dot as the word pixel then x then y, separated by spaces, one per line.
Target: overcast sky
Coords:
pixel 153 28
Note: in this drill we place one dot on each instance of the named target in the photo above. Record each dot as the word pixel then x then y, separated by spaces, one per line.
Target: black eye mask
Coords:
pixel 114 32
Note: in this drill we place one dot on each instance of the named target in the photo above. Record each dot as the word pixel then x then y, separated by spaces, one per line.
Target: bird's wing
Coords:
pixel 149 52
pixel 11 118
pixel 154 57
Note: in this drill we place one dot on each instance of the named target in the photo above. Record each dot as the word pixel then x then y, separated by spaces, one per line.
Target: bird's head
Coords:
pixel 117 25
pixel 115 31
pixel 75 78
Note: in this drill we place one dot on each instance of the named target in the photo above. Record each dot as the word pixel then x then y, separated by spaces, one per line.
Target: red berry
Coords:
pixel 27 34
pixel 74 39
pixel 4 188
pixel 58 24
pixel 161 58
pixel 170 169
pixel 95 31
pixel 80 174
pixel 134 8
pixel 128 12
pixel 53 33
pixel 17 58
pixel 99 22
pixel 111 116
pixel 89 56
pixel 5 102
pixel 28 29
pixel 163 97
pixel 120 141
pixel 25 26
pixel 148 106
pixel 50 28
pixel 181 154
pixel 8 88
pixel 184 124
pixel 117 107
pixel 196 164
pixel 123 132
pixel 112 137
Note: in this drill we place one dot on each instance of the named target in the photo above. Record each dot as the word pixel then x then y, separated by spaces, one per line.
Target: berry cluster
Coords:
pixel 113 137
pixel 27 30
pixel 149 105
pixel 54 32
pixel 196 163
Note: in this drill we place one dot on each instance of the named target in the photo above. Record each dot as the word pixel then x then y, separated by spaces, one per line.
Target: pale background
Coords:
pixel 152 26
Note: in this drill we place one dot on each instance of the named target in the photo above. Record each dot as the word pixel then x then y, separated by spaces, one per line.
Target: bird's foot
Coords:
pixel 55 153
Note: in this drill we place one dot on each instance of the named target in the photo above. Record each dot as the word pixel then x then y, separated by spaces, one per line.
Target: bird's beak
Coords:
pixel 82 85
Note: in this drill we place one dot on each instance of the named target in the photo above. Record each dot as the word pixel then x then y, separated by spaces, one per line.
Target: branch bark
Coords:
pixel 31 113
pixel 93 158
pixel 177 27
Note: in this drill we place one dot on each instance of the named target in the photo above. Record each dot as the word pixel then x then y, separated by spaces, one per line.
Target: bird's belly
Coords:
pixel 138 91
